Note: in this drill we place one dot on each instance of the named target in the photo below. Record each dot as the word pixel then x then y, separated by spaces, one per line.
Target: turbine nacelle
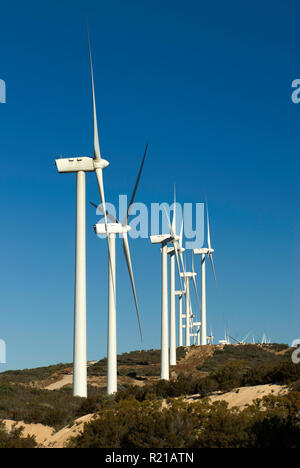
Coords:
pixel 188 275
pixel 203 251
pixel 180 293
pixel 171 250
pixel 78 164
pixel 75 164
pixel 163 239
pixel 111 228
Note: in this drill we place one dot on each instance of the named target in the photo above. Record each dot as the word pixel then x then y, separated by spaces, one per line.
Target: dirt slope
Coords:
pixel 244 396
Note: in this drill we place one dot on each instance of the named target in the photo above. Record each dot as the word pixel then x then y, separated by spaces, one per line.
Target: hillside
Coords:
pixel 40 400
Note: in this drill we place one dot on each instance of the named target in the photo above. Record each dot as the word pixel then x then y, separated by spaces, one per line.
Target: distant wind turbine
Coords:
pixel 203 252
pixel 189 323
pixel 164 240
pixel 172 253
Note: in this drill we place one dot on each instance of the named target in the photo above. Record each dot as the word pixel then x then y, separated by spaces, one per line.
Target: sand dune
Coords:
pixel 47 436
pixel 66 380
pixel 42 433
pixel 244 396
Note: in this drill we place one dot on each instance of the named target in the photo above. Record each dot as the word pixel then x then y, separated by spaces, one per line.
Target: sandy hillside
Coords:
pixel 46 436
pixel 42 433
pixel 66 380
pixel 60 438
pixel 244 396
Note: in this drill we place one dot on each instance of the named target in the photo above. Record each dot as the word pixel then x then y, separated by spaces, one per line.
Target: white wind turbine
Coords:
pixel 181 293
pixel 189 322
pixel 111 230
pixel 181 316
pixel 243 341
pixel 196 324
pixel 172 253
pixel 164 240
pixel 81 165
pixel 210 338
pixel 203 252
pixel 226 340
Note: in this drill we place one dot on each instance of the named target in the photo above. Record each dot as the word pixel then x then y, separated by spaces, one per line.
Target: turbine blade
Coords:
pixel 97 154
pixel 176 249
pixel 181 236
pixel 174 212
pixel 213 268
pixel 178 268
pixel 197 295
pixel 129 266
pixel 208 229
pixel 234 339
pixel 246 337
pixel 135 187
pixel 99 175
pixel 195 284
pixel 109 216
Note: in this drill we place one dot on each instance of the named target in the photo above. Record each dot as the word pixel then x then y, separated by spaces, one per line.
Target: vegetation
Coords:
pixel 51 408
pixel 143 363
pixel 232 375
pixel 15 438
pixel 155 415
pixel 253 355
pixel 28 376
pixel 133 424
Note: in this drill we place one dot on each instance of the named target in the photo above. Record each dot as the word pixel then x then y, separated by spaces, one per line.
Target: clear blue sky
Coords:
pixel 209 86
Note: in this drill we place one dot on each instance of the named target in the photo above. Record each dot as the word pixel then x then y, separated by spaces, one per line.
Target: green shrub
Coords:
pixel 133 424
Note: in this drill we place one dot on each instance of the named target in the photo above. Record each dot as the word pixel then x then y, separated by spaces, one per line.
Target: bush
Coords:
pixel 150 424
pixel 52 408
pixel 14 439
pixel 253 355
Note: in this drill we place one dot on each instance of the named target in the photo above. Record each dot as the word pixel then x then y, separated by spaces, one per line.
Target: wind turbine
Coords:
pixel 210 338
pixel 226 340
pixel 172 253
pixel 204 252
pixel 196 324
pixel 111 230
pixel 264 339
pixel 81 165
pixel 241 341
pixel 180 293
pixel 164 240
pixel 190 275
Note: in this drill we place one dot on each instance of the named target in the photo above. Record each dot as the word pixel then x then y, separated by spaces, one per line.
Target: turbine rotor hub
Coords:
pixel 100 163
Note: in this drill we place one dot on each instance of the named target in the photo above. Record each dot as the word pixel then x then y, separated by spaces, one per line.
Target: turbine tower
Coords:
pixel 111 230
pixel 181 316
pixel 81 165
pixel 204 252
pixel 210 338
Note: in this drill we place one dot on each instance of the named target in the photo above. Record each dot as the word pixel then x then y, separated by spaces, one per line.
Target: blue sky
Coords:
pixel 209 86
